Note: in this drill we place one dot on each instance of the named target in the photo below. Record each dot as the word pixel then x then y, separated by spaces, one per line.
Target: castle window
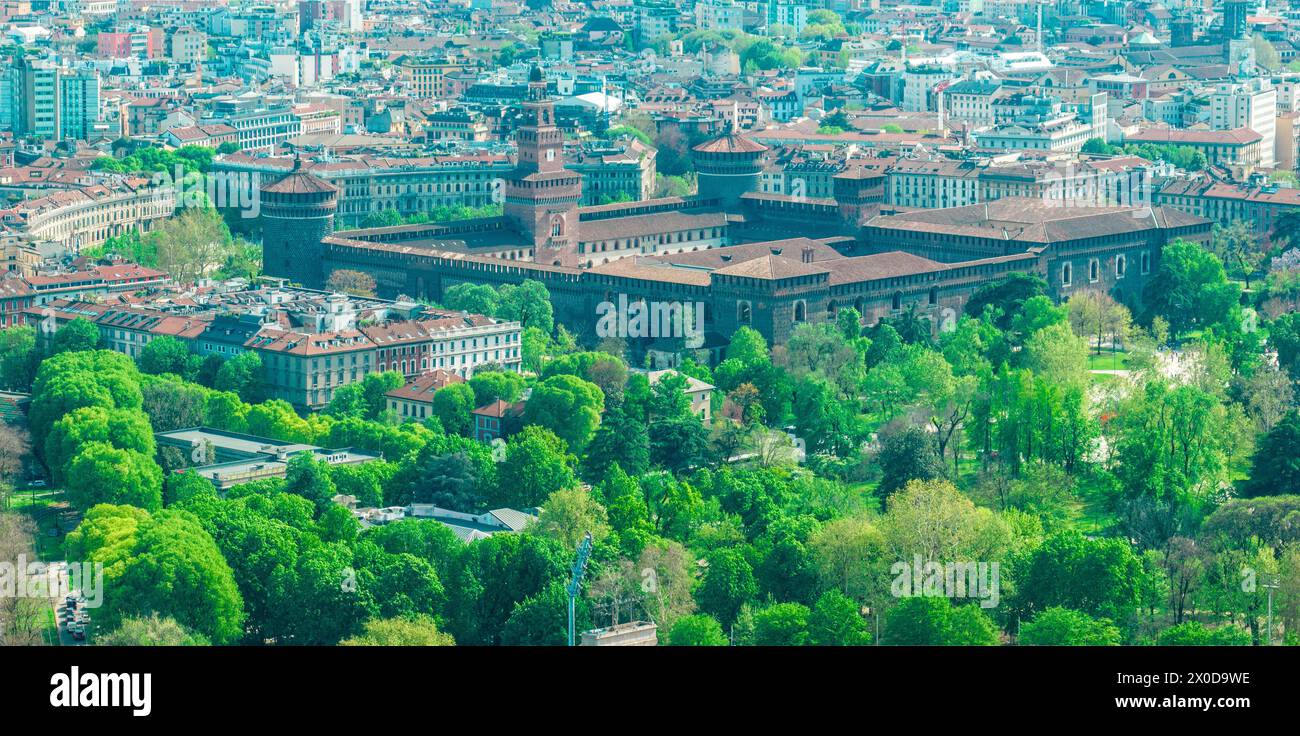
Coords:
pixel 1067 273
pixel 744 313
pixel 1094 270
pixel 1121 265
pixel 801 311
pixel 934 295
pixel 897 301
pixel 1146 262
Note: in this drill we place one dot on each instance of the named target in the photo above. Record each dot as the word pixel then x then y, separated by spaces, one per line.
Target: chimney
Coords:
pixel 807 254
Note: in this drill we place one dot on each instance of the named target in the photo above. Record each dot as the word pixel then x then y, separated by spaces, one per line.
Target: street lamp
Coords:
pixel 1270 585
pixel 875 614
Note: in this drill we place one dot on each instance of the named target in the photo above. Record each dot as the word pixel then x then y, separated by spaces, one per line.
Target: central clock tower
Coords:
pixel 541 196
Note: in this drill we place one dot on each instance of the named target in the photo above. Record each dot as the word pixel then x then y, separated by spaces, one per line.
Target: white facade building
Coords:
pixel 1250 104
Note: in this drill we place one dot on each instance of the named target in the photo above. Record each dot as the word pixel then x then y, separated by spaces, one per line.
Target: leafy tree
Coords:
pixel 569 515
pixel 1237 246
pixel 1004 298
pixel 348 281
pixel 490 386
pixel 472 298
pixel 620 441
pixel 451 482
pixel 101 473
pixel 781 625
pixel 77 335
pixel 934 621
pixel 1197 634
pixel 415 631
pixel 18 358
pixel 68 381
pixel 697 630
pixel 906 455
pixel 849 555
pixel 310 478
pixel 166 354
pixel 1275 469
pixel 181 487
pixel 452 405
pixel 119 428
pixel 1096 577
pixel 747 346
pixel 431 541
pixel 835 621
pixel 679 443
pixel 495 574
pixel 536 465
pixel 242 375
pixel 542 619
pixel 1173 446
pixel 1063 627
pixel 936 521
pixel 172 403
pixel 529 303
pixel 192 245
pixel 727 586
pixel 150 631
pixel 568 406
pixel 165 564
pixel 1241 522
pixel 1190 288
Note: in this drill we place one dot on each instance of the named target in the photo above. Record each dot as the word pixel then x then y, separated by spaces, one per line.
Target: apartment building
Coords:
pixel 79 218
pixel 262 125
pixel 187 46
pixel 41 100
pixel 305 369
pixel 615 171
pixel 1252 105
pixel 943 183
pixel 427 77
pixel 1231 148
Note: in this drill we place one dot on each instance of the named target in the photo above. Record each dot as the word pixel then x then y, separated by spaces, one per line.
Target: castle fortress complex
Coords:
pixel 767 261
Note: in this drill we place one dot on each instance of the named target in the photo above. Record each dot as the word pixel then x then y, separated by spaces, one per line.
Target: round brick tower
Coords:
pixel 727 167
pixel 297 211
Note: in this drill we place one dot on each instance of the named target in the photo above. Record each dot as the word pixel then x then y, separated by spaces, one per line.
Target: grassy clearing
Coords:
pixel 1093 518
pixel 48 509
pixel 1107 361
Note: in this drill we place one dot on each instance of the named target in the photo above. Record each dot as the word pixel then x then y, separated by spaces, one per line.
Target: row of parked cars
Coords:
pixel 76 619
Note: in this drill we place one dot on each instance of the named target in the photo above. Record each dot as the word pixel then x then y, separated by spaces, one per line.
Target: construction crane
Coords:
pixel 575 584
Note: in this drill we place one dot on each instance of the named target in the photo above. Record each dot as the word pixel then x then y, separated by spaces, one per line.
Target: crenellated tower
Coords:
pixel 541 196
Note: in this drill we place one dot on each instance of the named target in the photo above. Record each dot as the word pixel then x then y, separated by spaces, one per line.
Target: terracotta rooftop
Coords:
pixel 300 182
pixel 730 144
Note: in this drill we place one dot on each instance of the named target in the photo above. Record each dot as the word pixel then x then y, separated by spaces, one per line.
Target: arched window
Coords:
pixel 1121 265
pixel 1067 274
pixel 1146 262
pixel 1094 270
pixel 744 313
pixel 934 295
pixel 800 311
pixel 897 302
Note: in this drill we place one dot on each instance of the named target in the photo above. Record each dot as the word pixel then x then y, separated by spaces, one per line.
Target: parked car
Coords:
pixel 79 633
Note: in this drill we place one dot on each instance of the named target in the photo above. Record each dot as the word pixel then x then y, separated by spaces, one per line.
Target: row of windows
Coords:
pixel 1094 268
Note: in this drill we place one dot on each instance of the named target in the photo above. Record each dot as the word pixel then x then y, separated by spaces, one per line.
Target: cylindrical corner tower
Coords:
pixel 297 212
pixel 727 167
